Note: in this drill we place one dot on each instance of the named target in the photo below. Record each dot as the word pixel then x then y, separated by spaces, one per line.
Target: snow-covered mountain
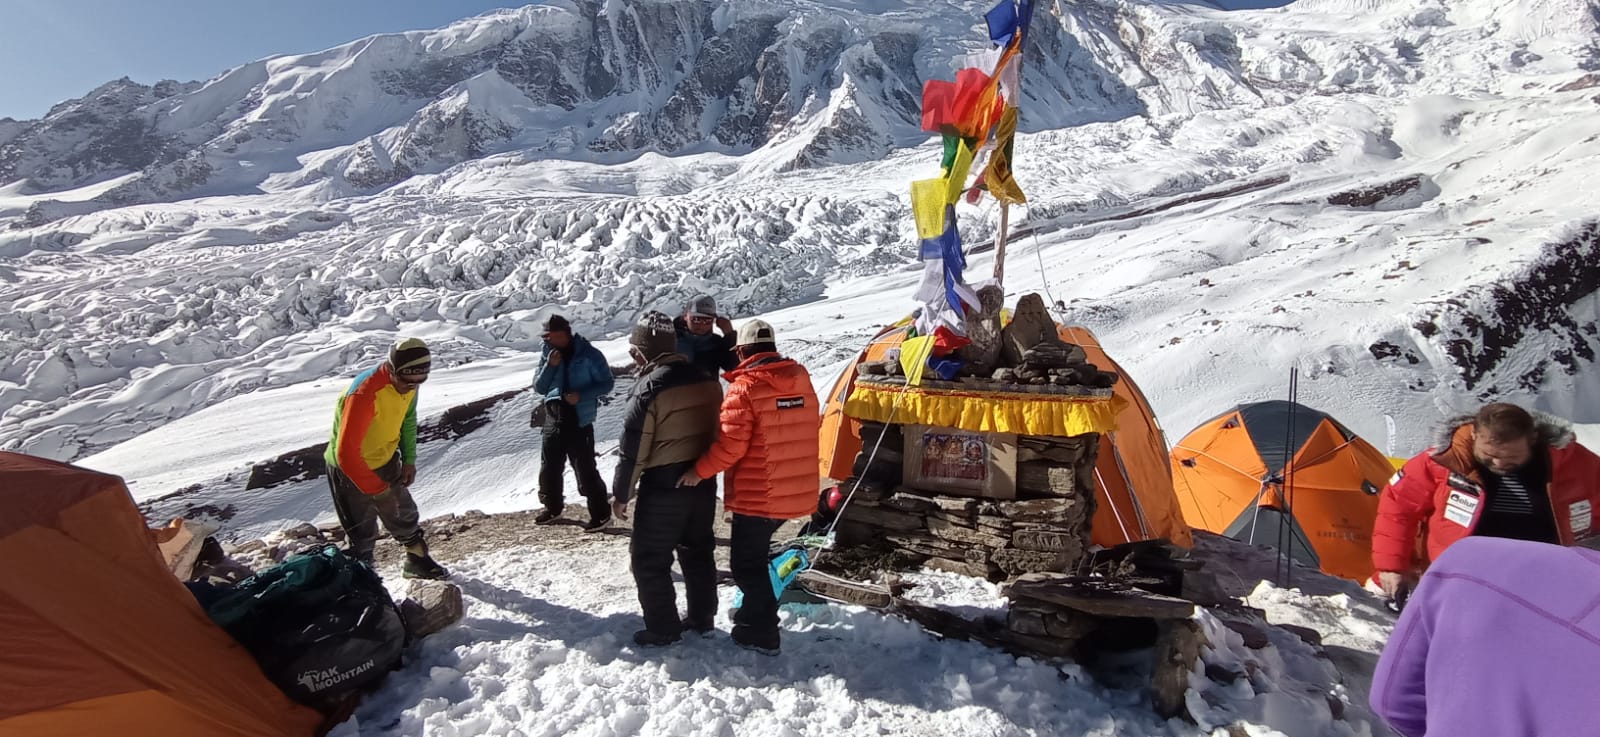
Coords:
pixel 817 82
pixel 825 82
pixel 1392 196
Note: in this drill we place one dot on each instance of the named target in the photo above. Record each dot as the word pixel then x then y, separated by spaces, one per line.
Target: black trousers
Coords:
pixel 564 442
pixel 750 557
pixel 667 520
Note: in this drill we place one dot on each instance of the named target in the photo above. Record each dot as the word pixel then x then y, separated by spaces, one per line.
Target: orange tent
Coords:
pixel 1134 499
pixel 96 634
pixel 1276 472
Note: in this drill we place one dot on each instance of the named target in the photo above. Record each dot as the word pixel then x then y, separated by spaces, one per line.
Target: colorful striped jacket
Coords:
pixel 371 422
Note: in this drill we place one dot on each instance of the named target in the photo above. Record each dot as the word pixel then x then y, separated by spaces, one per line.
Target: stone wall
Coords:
pixel 1045 528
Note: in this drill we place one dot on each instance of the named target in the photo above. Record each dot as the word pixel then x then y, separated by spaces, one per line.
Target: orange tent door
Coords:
pixel 1284 475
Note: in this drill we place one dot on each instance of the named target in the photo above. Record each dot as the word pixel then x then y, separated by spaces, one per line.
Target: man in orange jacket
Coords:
pixel 1502 473
pixel 768 447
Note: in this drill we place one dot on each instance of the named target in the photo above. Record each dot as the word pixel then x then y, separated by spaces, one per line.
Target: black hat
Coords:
pixel 557 324
pixel 409 357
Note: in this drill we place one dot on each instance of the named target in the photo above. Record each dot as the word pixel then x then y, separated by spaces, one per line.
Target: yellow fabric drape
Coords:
pixel 1013 412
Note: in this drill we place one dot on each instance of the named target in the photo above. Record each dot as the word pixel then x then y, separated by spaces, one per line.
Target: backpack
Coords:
pixel 320 624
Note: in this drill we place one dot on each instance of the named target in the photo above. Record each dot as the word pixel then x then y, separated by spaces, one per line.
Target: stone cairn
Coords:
pixel 1045 529
pixel 1065 602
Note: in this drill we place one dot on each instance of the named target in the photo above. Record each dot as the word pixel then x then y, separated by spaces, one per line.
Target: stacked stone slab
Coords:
pixel 1045 529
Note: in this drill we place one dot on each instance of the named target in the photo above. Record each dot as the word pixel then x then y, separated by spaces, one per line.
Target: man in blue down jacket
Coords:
pixel 573 375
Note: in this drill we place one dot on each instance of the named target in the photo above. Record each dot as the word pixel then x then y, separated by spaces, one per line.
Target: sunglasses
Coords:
pixel 413 380
pixel 702 320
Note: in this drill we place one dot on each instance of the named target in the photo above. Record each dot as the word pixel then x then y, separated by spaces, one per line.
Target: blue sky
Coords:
pixel 53 50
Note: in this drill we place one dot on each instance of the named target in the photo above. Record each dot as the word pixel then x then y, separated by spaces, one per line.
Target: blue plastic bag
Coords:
pixel 783 569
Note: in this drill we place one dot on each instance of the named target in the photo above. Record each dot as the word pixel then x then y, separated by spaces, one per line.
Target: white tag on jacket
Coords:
pixel 1460 508
pixel 1579 516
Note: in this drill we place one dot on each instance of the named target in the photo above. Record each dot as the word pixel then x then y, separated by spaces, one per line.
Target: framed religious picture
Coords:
pixel 961 462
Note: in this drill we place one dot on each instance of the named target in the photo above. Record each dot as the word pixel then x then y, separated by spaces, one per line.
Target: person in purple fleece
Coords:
pixel 1502 638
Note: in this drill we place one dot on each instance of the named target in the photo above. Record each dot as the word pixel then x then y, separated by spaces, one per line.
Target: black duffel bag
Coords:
pixel 320 624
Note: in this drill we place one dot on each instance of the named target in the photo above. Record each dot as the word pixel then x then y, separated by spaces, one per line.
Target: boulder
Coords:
pixel 982 354
pixel 1030 325
pixel 1178 646
pixel 1046 477
pixel 1017 562
pixel 1096 596
pixel 1064 451
pixel 431 606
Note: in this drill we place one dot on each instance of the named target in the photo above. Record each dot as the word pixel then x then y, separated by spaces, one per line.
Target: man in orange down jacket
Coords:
pixel 1503 473
pixel 768 447
pixel 372 457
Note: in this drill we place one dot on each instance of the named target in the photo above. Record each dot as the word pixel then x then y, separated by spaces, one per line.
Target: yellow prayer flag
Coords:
pixel 914 353
pixel 998 176
pixel 957 178
pixel 927 205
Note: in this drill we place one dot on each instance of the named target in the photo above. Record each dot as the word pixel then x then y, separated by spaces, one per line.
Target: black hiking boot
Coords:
pixel 547 516
pixel 702 628
pixel 647 638
pixel 767 645
pixel 423 566
pixel 596 525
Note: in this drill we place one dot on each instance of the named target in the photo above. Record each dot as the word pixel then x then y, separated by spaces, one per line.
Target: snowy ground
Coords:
pixel 545 649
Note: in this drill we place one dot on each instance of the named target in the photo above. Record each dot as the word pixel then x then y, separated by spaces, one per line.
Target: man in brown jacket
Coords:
pixel 671 421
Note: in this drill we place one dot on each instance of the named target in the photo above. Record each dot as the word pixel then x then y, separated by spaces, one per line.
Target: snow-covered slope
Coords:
pixel 1392 197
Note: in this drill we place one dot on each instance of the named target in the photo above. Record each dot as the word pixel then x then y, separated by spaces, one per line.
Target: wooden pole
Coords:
pixel 1000 245
pixel 1005 207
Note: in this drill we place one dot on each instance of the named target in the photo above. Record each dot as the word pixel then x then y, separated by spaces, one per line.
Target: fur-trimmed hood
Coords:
pixel 1553 431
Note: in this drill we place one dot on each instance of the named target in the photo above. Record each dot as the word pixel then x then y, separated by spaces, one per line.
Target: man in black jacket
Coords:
pixel 671 420
pixel 698 343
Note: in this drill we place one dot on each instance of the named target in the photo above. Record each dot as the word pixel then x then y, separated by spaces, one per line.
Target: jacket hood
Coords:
pixel 761 366
pixel 1552 431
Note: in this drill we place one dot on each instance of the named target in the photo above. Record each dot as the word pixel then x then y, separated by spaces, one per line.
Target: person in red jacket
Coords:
pixel 768 447
pixel 1504 473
